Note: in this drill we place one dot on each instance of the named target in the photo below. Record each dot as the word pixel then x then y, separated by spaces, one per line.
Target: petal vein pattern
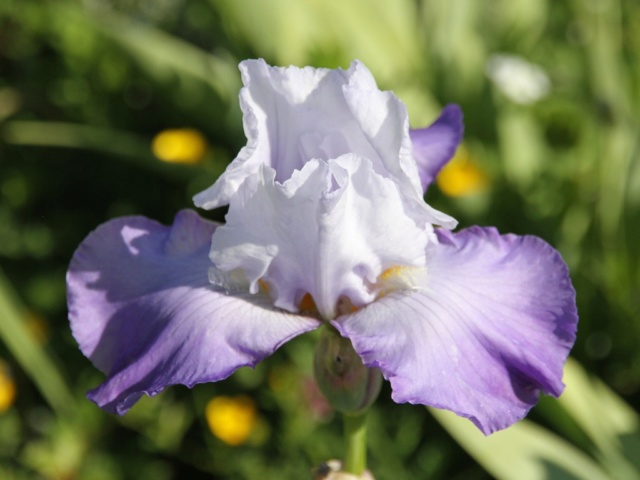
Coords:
pixel 330 231
pixel 488 331
pixel 142 309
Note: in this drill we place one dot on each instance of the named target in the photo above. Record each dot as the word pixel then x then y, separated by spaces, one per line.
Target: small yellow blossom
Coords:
pixel 7 388
pixel 461 176
pixel 231 419
pixel 183 145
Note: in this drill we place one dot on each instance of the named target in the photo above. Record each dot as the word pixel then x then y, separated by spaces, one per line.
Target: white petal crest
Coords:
pixel 293 115
pixel 330 231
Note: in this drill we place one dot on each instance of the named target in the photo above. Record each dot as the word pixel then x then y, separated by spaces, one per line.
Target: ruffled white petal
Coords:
pixel 293 115
pixel 329 231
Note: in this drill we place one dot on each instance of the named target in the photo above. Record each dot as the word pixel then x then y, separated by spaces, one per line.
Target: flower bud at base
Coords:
pixel 350 386
pixel 331 470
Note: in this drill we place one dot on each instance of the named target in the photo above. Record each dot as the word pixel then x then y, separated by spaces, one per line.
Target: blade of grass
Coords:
pixel 524 451
pixel 611 424
pixel 125 145
pixel 152 45
pixel 34 359
pixel 62 134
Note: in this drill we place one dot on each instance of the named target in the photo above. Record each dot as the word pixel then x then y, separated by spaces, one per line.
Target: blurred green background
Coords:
pixel 115 107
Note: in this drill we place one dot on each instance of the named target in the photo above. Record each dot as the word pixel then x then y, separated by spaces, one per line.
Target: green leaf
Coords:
pixel 611 424
pixel 529 451
pixel 34 359
pixel 159 50
pixel 127 146
pixel 524 451
pixel 380 33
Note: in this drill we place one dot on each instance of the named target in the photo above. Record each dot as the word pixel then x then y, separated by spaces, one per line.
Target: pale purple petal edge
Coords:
pixel 436 144
pixel 443 347
pixel 142 309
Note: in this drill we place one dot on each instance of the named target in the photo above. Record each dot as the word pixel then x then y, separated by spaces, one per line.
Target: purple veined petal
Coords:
pixel 435 145
pixel 142 309
pixel 489 330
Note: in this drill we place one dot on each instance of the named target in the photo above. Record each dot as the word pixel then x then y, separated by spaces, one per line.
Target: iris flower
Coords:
pixel 327 225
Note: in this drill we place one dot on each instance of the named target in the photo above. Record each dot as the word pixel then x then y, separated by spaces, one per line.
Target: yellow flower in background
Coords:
pixel 461 176
pixel 7 388
pixel 231 419
pixel 183 145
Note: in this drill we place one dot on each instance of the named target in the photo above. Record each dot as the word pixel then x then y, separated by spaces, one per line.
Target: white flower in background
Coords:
pixel 519 80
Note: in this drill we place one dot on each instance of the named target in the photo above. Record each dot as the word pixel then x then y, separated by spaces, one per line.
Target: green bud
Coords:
pixel 350 386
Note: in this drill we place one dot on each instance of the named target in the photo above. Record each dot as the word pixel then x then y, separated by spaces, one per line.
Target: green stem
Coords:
pixel 355 434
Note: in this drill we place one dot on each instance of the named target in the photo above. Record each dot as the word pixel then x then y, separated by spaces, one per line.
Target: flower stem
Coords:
pixel 355 434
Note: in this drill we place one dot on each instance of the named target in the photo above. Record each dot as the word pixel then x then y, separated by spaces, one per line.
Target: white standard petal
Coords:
pixel 329 232
pixel 293 115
